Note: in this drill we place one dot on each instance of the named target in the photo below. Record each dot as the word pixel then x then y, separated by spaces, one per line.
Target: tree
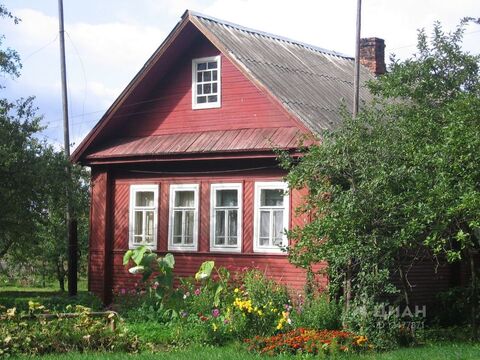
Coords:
pixel 33 180
pixel 401 177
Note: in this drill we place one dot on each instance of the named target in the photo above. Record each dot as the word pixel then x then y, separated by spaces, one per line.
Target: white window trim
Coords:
pixel 133 190
pixel 213 189
pixel 184 187
pixel 217 104
pixel 273 185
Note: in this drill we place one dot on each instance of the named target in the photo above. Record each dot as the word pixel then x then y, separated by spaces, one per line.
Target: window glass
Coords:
pixel 143 215
pixel 272 197
pixel 184 199
pixel 144 198
pixel 207 82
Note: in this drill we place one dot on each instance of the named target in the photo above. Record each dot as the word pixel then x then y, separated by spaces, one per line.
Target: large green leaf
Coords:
pixel 138 254
pixel 127 257
pixel 205 270
pixel 167 262
pixel 218 292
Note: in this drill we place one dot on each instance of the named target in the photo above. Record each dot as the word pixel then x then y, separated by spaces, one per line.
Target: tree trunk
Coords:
pixel 348 285
pixel 60 275
pixel 474 297
pixel 405 285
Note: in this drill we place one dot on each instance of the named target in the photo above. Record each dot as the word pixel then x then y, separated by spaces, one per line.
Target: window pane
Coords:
pixel 137 239
pixel 184 199
pixel 177 227
pixel 227 198
pixel 214 75
pixel 207 88
pixel 207 76
pixel 277 227
pixel 264 224
pixel 144 198
pixel 189 227
pixel 201 99
pixel 232 227
pixel 201 66
pixel 149 239
pixel 220 223
pixel 199 89
pixel 214 88
pixel 271 197
pixel 149 227
pixel 212 65
pixel 199 77
pixel 212 98
pixel 138 225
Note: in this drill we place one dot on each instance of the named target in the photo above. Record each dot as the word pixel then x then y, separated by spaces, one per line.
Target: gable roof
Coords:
pixel 308 82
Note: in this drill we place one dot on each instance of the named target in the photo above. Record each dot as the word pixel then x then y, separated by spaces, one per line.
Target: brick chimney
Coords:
pixel 372 55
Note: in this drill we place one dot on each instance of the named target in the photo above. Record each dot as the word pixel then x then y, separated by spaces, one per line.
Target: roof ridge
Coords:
pixel 266 34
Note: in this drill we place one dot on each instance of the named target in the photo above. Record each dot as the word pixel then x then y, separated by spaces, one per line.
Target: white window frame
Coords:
pixel 133 190
pixel 213 191
pixel 270 185
pixel 173 189
pixel 206 105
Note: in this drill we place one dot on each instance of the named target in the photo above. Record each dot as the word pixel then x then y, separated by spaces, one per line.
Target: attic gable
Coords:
pixel 305 84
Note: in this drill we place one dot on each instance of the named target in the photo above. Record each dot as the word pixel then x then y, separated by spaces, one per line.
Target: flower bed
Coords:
pixel 308 341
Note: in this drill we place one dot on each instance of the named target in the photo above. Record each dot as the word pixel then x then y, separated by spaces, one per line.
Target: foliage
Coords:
pixel 29 333
pixel 403 175
pixel 317 313
pixel 156 298
pixel 264 304
pixel 33 185
pixel 304 341
pixel 53 301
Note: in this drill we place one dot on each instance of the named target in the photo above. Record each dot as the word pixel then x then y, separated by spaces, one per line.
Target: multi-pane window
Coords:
pixel 225 217
pixel 271 216
pixel 143 215
pixel 206 83
pixel 183 217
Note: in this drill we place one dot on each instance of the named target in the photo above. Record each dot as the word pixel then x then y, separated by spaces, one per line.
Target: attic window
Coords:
pixel 206 83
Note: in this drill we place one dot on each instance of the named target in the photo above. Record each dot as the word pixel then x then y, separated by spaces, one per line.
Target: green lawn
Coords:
pixel 453 351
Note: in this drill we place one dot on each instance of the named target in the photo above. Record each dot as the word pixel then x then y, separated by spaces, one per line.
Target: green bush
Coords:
pixel 28 333
pixel 53 301
pixel 318 313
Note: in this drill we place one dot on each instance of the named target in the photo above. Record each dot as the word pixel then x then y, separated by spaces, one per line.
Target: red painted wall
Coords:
pixel 276 266
pixel 168 110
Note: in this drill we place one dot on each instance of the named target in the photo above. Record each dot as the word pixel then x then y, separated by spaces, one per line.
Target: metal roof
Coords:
pixel 309 81
pixel 201 142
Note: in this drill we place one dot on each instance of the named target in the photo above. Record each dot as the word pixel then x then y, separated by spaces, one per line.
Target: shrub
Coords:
pixel 317 312
pixel 263 304
pixel 308 342
pixel 387 331
pixel 24 333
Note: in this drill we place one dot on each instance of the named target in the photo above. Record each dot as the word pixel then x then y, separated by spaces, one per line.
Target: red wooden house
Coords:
pixel 183 162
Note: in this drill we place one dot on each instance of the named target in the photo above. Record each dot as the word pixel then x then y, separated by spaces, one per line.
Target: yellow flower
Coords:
pixel 236 290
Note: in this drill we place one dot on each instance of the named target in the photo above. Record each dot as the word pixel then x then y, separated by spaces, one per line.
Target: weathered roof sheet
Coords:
pixel 309 81
pixel 201 142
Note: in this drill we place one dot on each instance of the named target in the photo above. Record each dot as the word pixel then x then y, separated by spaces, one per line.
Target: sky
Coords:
pixel 108 41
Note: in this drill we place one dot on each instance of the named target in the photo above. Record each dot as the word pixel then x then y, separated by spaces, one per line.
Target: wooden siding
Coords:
pixel 168 110
pixel 274 265
pixel 99 272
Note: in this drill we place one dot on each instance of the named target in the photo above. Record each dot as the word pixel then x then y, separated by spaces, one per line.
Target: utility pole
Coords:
pixel 70 220
pixel 356 75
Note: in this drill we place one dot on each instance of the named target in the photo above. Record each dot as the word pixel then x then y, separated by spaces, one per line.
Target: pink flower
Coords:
pixel 155 285
pixel 197 292
pixel 215 313
pixel 123 291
